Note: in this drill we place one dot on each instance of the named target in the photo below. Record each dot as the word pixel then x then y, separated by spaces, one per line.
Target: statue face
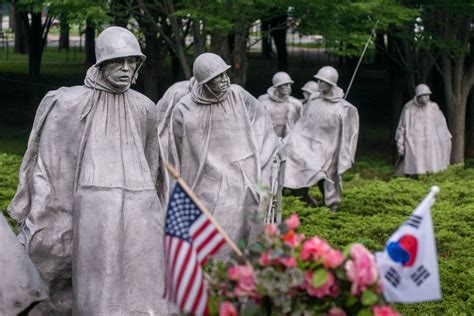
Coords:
pixel 119 72
pixel 284 89
pixel 306 95
pixel 324 86
pixel 423 99
pixel 219 83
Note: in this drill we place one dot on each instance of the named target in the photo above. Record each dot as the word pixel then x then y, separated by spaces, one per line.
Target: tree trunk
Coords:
pixel 63 34
pixel 176 70
pixel 199 38
pixel 470 128
pixel 90 43
pixel 21 33
pixel 152 66
pixel 279 37
pixel 220 45
pixel 266 40
pixel 380 49
pixel 35 40
pixel 119 12
pixel 179 44
pixel 239 59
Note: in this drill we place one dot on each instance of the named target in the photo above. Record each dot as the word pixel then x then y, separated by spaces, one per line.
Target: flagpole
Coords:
pixel 201 206
pixel 360 60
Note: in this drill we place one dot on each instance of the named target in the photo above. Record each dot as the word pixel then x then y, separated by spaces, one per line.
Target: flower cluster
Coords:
pixel 285 273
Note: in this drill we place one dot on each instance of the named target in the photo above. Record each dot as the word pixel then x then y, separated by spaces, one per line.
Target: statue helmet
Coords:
pixel 208 66
pixel 310 87
pixel 328 74
pixel 422 89
pixel 281 78
pixel 116 42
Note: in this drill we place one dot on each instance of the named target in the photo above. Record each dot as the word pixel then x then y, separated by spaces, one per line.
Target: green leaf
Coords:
pixel 369 298
pixel 320 277
pixel 350 301
pixel 364 312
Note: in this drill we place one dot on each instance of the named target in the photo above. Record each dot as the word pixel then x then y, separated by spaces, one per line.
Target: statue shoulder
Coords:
pixel 140 98
pixel 263 98
pixel 66 98
pixel 294 101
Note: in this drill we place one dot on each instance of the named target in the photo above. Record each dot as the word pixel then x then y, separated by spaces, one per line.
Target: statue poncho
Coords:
pixel 424 135
pixel 322 145
pixel 223 149
pixel 20 283
pixel 87 199
pixel 165 108
pixel 284 112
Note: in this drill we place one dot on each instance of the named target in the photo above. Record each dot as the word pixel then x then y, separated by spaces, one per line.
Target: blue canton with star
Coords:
pixel 181 214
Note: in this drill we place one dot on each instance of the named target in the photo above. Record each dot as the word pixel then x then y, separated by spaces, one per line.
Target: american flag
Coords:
pixel 190 238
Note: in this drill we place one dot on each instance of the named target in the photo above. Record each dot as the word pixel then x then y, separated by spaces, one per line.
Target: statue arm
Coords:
pixel 176 138
pixel 400 134
pixel 30 169
pixel 154 153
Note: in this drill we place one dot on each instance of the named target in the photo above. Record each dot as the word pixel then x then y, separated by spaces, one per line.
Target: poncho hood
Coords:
pixel 272 93
pixel 337 95
pixel 94 80
pixel 199 97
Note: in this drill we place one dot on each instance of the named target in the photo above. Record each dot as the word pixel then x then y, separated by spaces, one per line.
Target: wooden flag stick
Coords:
pixel 203 209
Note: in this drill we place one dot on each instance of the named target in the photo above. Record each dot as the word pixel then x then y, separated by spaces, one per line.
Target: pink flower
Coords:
pixel 313 249
pixel 361 269
pixel 386 310
pixel 332 258
pixel 293 240
pixel 319 292
pixel 336 311
pixel 227 309
pixel 245 280
pixel 271 229
pixel 293 222
pixel 288 262
pixel 265 259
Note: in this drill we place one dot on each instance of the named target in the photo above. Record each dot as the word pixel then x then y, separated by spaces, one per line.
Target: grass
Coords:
pixel 375 203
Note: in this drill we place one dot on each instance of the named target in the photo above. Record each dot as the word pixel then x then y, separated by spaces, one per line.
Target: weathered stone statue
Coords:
pixel 309 88
pixel 323 143
pixel 20 283
pixel 284 109
pixel 87 203
pixel 423 139
pixel 223 145
pixel 165 107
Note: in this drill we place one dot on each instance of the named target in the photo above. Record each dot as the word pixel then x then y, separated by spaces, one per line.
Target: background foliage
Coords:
pixel 375 203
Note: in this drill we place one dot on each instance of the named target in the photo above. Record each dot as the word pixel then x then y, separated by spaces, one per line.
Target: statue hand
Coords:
pixel 401 150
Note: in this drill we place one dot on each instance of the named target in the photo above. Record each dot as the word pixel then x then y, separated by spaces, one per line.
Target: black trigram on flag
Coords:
pixel 414 221
pixel 420 275
pixel 393 277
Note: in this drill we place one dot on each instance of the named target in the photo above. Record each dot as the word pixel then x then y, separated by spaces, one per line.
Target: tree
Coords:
pixel 30 13
pixel 37 16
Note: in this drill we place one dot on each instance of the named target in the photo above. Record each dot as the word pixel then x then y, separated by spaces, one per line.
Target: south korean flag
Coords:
pixel 409 264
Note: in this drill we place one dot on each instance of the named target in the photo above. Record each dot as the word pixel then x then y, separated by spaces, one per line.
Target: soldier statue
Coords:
pixel 423 139
pixel 92 188
pixel 224 145
pixel 323 143
pixel 284 109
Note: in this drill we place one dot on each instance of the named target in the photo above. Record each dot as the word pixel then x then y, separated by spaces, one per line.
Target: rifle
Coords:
pixel 275 207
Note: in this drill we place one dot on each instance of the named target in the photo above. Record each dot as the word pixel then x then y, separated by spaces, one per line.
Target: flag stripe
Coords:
pixel 190 237
pixel 184 273
pixel 201 234
pixel 193 292
pixel 178 262
pixel 186 289
pixel 209 248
